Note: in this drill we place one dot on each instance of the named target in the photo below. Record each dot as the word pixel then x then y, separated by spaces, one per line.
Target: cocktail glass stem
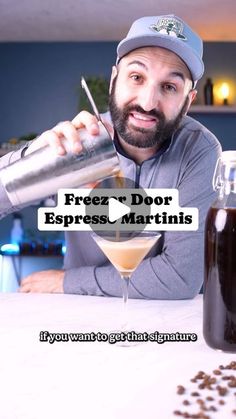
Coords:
pixel 125 289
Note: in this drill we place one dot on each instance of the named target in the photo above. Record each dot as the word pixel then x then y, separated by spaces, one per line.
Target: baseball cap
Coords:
pixel 170 32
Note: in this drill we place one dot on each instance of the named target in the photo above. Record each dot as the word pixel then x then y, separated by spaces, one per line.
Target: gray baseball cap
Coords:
pixel 168 32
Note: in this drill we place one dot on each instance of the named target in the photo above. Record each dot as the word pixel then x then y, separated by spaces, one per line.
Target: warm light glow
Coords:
pixel 224 90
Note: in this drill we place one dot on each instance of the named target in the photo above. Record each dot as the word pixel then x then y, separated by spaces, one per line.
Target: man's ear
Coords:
pixel 191 96
pixel 113 75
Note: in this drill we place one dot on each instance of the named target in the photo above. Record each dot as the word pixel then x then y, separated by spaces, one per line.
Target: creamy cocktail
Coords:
pixel 127 255
pixel 126 252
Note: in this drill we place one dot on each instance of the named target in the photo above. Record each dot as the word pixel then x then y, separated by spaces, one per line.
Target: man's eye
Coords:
pixel 136 77
pixel 169 88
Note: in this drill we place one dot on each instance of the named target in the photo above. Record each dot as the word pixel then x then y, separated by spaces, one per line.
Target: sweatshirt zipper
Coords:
pixel 137 176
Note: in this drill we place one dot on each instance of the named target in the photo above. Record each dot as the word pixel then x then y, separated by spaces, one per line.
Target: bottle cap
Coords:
pixel 229 155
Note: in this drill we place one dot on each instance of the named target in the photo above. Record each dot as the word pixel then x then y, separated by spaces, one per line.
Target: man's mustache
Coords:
pixel 136 108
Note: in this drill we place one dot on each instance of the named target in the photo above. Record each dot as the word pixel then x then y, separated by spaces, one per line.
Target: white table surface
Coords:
pixel 39 380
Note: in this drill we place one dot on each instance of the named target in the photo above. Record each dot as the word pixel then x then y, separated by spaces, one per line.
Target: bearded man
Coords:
pixel 152 87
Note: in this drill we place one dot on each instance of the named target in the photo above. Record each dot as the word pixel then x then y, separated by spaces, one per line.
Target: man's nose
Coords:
pixel 149 98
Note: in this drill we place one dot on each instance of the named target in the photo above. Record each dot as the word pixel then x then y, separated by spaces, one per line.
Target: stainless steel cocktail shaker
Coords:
pixel 41 173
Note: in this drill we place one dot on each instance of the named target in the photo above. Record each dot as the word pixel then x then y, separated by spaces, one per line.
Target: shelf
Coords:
pixel 212 109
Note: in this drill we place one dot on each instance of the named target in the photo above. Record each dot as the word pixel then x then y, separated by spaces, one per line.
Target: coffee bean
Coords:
pixel 231 366
pixel 195 394
pixel 213 408
pixel 200 401
pixel 221 401
pixel 200 374
pixel 222 390
pixel 232 383
pixel 180 389
pixel 217 372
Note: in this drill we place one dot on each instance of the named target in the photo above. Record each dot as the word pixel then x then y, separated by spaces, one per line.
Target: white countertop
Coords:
pixel 39 380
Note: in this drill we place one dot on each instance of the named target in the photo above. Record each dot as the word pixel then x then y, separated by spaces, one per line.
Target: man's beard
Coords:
pixel 142 137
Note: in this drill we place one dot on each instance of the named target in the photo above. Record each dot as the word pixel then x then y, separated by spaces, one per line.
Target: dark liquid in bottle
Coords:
pixel 219 314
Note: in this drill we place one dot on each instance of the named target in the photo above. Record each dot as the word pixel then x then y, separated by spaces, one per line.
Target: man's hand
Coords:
pixel 43 282
pixel 68 130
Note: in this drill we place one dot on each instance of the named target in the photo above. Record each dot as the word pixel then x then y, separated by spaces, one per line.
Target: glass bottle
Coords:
pixel 17 229
pixel 208 92
pixel 219 291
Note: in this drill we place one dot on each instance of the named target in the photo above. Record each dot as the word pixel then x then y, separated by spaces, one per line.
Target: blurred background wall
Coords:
pixel 39 86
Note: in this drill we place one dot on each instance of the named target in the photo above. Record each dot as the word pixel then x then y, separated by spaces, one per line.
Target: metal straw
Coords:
pixel 90 98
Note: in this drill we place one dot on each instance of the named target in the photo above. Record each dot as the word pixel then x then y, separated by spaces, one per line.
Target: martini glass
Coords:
pixel 126 251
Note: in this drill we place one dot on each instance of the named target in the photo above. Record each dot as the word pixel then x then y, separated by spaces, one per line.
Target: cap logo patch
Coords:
pixel 169 26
